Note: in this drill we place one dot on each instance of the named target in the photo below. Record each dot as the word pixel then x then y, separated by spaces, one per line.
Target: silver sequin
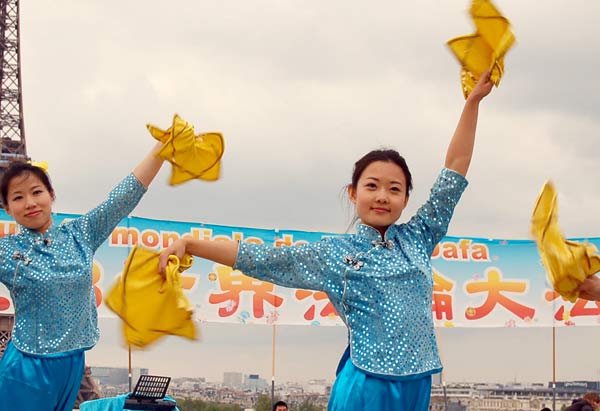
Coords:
pixel 381 287
pixel 49 276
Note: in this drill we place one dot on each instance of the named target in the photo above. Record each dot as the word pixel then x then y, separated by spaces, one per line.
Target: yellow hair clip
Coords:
pixel 40 164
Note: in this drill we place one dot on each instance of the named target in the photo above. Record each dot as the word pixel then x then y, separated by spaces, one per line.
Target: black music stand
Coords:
pixel 149 394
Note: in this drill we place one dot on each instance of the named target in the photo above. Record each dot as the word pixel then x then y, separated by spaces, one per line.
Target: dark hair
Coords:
pixel 591 396
pixel 18 169
pixel 278 404
pixel 385 155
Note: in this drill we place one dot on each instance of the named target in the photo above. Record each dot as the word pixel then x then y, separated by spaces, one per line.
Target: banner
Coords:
pixel 477 282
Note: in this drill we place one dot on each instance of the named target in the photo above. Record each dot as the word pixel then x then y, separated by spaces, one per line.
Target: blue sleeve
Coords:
pixel 3 272
pixel 99 222
pixel 6 265
pixel 431 221
pixel 306 266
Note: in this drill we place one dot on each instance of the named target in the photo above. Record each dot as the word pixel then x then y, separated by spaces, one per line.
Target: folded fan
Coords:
pixel 485 49
pixel 192 156
pixel 150 305
pixel 568 263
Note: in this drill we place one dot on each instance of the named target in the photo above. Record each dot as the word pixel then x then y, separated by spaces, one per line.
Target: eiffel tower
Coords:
pixel 12 130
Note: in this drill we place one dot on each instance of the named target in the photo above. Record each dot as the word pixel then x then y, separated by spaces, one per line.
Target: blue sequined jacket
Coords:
pixel 49 276
pixel 381 287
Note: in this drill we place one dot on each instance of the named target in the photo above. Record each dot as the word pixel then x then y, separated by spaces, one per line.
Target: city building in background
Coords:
pixel 232 379
pixel 254 383
pixel 116 376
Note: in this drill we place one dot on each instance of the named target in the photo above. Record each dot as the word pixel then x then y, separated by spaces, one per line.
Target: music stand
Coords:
pixel 149 393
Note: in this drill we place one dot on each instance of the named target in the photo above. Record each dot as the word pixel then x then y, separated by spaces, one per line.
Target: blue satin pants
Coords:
pixel 354 390
pixel 39 383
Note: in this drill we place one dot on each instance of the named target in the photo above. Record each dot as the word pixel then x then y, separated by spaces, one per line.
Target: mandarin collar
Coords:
pixel 370 233
pixel 36 234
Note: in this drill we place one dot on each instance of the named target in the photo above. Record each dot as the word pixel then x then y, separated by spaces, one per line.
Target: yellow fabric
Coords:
pixel 568 263
pixel 485 49
pixel 192 156
pixel 149 304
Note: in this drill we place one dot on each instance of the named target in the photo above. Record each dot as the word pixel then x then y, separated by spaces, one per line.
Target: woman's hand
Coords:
pixel 590 288
pixel 177 248
pixel 482 88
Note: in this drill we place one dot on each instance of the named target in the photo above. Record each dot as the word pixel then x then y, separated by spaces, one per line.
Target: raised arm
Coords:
pixel 149 167
pixel 460 150
pixel 100 221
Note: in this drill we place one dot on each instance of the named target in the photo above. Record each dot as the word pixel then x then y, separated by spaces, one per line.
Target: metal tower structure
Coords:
pixel 12 129
pixel 6 324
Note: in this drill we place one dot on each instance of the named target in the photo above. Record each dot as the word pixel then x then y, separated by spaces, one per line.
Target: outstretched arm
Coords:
pixel 222 252
pixel 100 221
pixel 460 150
pixel 308 266
pixel 148 168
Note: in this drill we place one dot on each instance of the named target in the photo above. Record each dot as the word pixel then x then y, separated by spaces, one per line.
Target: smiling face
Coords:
pixel 29 202
pixel 380 195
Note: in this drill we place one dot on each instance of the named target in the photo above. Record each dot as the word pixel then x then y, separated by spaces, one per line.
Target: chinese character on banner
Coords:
pixel 328 309
pixel 96 275
pixel 233 283
pixel 578 309
pixel 494 286
pixel 441 303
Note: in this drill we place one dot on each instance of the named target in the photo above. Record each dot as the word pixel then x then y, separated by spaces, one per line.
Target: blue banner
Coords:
pixel 477 282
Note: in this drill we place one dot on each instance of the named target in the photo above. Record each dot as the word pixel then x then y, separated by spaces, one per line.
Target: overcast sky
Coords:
pixel 300 90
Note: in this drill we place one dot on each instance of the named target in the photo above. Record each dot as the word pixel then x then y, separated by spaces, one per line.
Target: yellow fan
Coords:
pixel 568 263
pixel 150 305
pixel 192 156
pixel 485 49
